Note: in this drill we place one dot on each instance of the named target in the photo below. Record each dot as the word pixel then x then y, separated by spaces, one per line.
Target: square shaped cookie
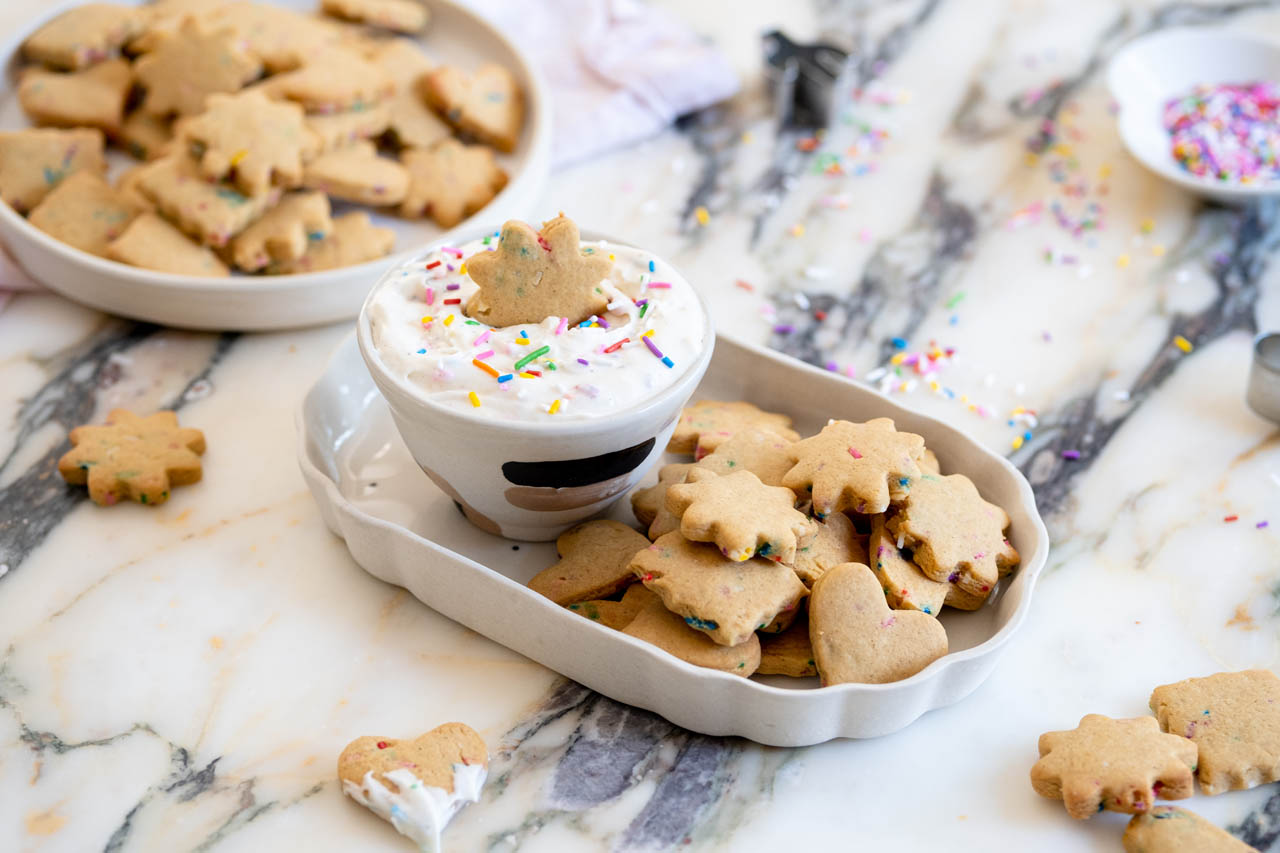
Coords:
pixel 84 211
pixel 213 213
pixel 33 162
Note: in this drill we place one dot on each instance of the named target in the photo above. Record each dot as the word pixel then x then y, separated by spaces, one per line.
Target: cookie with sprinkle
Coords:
pixel 538 274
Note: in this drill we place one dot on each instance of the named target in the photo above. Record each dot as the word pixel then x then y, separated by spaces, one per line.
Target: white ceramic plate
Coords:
pixel 1152 69
pixel 455 35
pixel 402 529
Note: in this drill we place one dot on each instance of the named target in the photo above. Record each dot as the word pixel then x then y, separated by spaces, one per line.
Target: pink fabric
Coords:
pixel 624 73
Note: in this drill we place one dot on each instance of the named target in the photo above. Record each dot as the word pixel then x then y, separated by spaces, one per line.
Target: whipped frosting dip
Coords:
pixel 651 333
pixel 417 811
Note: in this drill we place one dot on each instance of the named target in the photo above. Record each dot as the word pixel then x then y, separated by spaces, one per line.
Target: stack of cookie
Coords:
pixel 253 119
pixel 762 521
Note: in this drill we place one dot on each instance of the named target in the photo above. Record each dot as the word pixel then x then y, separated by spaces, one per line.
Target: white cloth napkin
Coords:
pixel 619 71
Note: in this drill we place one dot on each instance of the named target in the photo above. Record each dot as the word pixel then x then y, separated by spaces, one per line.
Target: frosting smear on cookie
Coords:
pixel 418 811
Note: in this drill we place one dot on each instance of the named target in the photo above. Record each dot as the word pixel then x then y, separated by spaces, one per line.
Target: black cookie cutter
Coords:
pixel 803 77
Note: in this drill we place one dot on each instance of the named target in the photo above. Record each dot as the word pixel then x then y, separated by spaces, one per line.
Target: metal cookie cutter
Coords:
pixel 1263 395
pixel 804 79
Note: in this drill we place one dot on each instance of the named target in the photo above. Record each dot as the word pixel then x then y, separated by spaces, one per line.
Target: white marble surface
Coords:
pixel 183 677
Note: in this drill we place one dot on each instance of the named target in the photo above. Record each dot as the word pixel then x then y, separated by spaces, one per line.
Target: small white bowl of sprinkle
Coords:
pixel 535 426
pixel 1201 107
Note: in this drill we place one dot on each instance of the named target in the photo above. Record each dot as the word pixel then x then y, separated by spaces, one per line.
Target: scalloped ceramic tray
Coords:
pixel 402 529
pixel 256 302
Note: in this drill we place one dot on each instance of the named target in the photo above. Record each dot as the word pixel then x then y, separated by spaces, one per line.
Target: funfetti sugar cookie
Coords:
pixel 84 211
pixel 537 274
pixel 284 232
pixel 131 457
pixel 905 586
pixel 340 129
pixel 706 424
pixel 1234 719
pixel 191 64
pixel 127 186
pixel 33 162
pixel 281 38
pixel 144 135
pixel 353 239
pixel 151 242
pixel 789 652
pixel 741 515
pixel 646 502
pixel 356 173
pixel 954 535
pixel 1120 765
pixel 857 638
pixel 402 60
pixel 858 467
pixel 837 541
pixel 616 614
pixel 1169 829
pixel 213 213
pixel 657 625
pixel 488 106
pixel 450 181
pixel 725 599
pixel 418 785
pixel 252 141
pixel 760 451
pixel 402 16
pixel 83 36
pixel 334 80
pixel 93 97
pixel 595 560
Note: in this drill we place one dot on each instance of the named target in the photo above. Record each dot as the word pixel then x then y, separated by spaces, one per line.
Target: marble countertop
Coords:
pixel 183 677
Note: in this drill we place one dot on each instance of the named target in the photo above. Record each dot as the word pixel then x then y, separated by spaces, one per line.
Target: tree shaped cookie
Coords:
pixel 84 35
pixel 857 638
pixel 1120 765
pixel 1234 718
pixel 741 515
pixel 706 424
pixel 905 586
pixel 34 161
pixel 450 181
pixel 418 785
pixel 1169 829
pixel 356 173
pixel 836 542
pixel 537 274
pixel 616 614
pixel 646 503
pixel 857 467
pixel 255 141
pixel 487 107
pixel 191 64
pixel 955 535
pixel 760 451
pixel 133 458
pixel 335 79
pixel 726 600
pixel 657 625
pixel 353 239
pixel 595 562
pixel 284 232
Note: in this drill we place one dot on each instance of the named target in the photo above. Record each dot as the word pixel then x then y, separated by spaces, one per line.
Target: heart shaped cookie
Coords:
pixel 857 638
pixel 418 785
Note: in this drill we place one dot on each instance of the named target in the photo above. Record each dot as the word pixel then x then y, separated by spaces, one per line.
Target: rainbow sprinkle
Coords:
pixel 1227 132
pixel 474 398
pixel 555 407
pixel 540 351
